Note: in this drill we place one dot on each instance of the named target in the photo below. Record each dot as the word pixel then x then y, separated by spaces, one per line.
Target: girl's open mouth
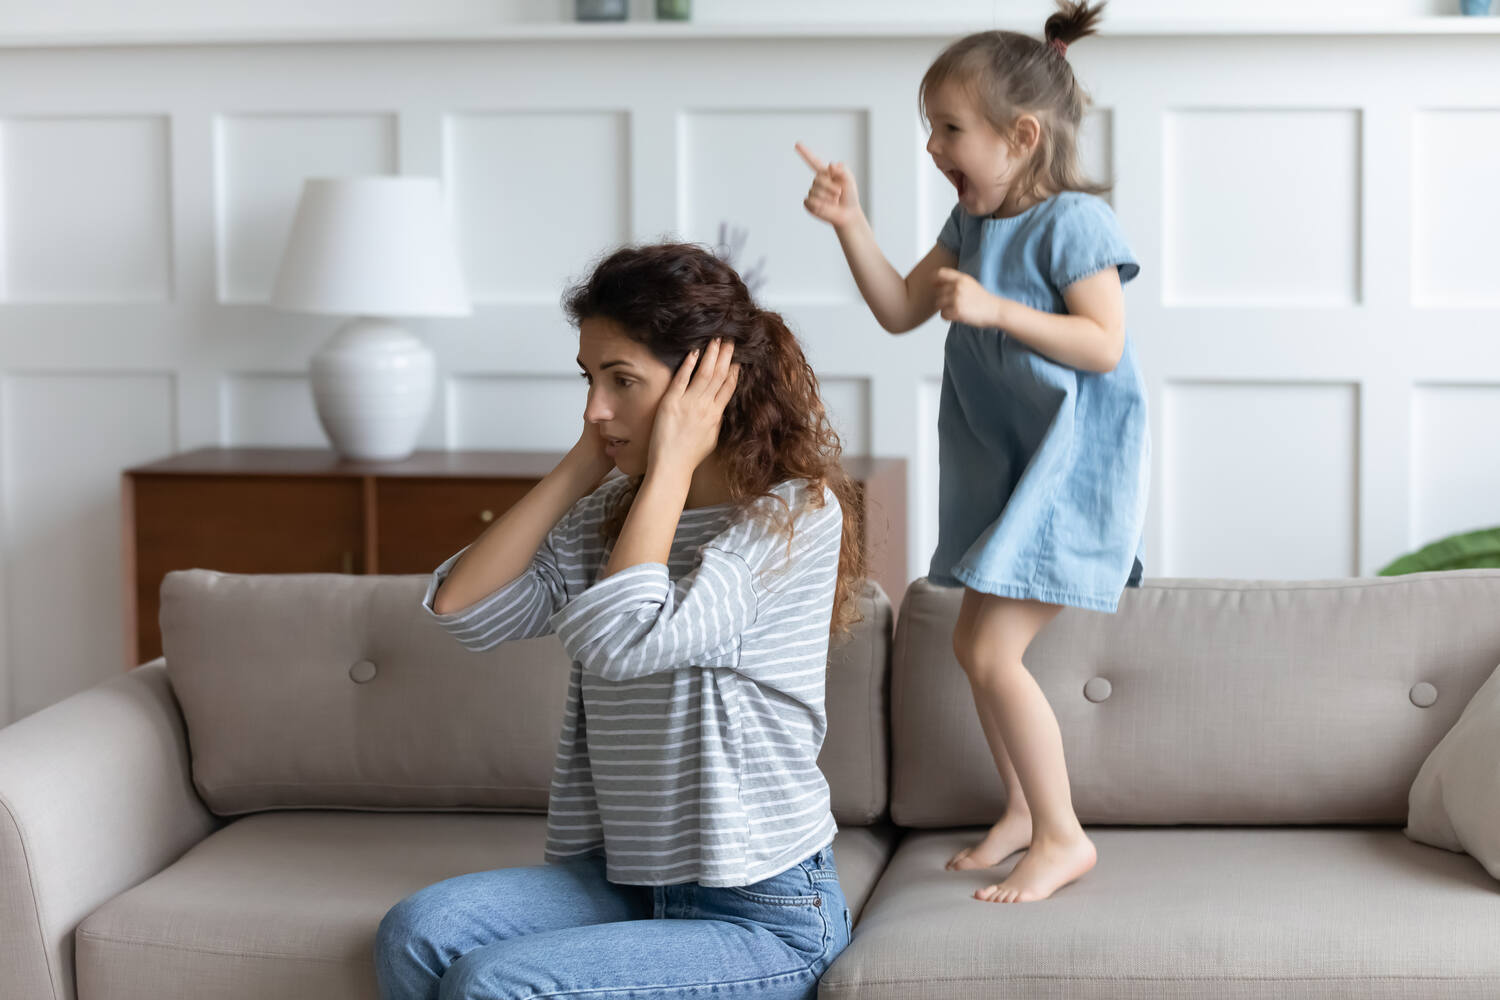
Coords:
pixel 959 181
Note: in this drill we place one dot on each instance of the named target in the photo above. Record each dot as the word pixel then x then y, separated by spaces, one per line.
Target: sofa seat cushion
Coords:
pixel 1207 912
pixel 285 904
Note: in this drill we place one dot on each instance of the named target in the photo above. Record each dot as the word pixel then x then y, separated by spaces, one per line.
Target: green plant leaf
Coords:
pixel 1471 550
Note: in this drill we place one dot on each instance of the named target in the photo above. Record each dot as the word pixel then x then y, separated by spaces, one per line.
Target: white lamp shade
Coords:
pixel 371 246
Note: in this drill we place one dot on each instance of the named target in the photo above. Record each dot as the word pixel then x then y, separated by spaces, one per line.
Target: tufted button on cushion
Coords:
pixel 1423 695
pixel 1097 689
pixel 362 672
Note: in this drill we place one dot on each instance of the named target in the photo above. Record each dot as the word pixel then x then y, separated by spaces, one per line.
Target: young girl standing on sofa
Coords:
pixel 1042 431
pixel 688 826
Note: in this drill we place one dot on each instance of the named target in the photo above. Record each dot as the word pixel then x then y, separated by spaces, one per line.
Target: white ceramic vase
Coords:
pixel 372 385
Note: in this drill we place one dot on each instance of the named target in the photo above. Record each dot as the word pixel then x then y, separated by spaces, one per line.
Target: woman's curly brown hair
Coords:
pixel 674 298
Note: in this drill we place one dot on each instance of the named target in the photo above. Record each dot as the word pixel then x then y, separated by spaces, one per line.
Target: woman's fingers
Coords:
pixel 684 374
pixel 700 374
pixel 708 368
pixel 714 369
pixel 726 390
pixel 724 361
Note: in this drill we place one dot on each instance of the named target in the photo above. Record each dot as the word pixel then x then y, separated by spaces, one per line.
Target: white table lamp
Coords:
pixel 372 248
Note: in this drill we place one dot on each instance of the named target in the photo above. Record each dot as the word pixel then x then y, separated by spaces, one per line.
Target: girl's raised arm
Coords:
pixel 899 304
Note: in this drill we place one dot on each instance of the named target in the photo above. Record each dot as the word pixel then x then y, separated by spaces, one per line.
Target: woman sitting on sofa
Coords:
pixel 688 828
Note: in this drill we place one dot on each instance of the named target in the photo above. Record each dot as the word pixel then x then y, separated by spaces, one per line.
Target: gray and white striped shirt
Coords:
pixel 695 712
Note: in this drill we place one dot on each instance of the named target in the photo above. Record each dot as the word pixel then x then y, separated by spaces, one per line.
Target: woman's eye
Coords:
pixel 624 383
pixel 585 376
pixel 952 128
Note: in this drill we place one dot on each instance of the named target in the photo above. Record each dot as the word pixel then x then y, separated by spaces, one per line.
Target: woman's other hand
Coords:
pixel 588 456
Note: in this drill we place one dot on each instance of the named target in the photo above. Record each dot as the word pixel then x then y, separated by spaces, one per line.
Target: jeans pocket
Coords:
pixel 785 905
pixel 790 888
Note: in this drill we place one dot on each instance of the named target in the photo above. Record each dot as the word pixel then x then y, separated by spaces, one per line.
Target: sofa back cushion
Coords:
pixel 317 691
pixel 1206 701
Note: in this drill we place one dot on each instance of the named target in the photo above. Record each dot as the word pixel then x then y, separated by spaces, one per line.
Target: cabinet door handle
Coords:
pixel 486 516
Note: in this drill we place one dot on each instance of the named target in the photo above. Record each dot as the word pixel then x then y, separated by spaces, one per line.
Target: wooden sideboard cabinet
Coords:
pixel 303 510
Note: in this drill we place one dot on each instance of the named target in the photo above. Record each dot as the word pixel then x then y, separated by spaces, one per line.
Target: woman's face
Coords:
pixel 626 382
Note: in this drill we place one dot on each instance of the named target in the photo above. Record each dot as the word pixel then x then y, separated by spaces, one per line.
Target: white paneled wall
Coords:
pixel 86 209
pixel 531 187
pixel 1259 479
pixel 1318 312
pixel 1455 457
pixel 1455 191
pixel 1262 207
pixel 66 437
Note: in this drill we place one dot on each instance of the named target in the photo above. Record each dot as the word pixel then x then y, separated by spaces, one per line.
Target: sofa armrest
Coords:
pixel 96 795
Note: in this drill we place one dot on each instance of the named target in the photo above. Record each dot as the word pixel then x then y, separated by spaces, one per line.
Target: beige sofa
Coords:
pixel 233 823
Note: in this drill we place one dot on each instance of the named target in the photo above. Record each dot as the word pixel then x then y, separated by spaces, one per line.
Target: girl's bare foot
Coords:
pixel 1047 867
pixel 1009 835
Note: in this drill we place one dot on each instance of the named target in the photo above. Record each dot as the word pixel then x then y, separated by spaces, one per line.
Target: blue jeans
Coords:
pixel 563 930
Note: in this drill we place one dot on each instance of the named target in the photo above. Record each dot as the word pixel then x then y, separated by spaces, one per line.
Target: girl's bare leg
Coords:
pixel 1012 832
pixel 991 654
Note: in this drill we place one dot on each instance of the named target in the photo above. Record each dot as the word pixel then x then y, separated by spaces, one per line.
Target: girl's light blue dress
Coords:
pixel 1043 468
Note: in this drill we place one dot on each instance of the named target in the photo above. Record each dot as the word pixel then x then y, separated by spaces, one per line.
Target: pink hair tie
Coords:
pixel 1060 47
